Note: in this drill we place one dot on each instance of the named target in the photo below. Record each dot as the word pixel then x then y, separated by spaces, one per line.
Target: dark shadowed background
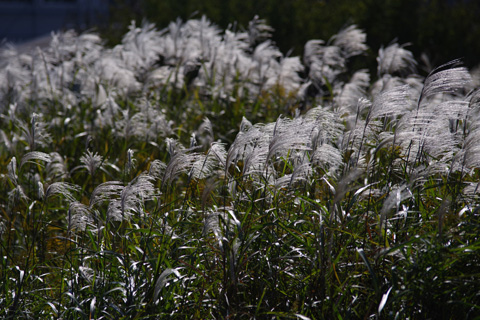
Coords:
pixel 442 29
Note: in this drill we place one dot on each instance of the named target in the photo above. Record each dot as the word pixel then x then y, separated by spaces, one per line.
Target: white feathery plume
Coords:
pixel 265 65
pixel 221 224
pixel 56 167
pixel 180 162
pixel 255 160
pixel 62 188
pixel 35 134
pixel 157 169
pixel 202 167
pixel 79 216
pixel 329 125
pixel 132 198
pixel 395 59
pixel 258 31
pixel 289 78
pixel 110 69
pixel 351 40
pixel 91 162
pixel 37 183
pixel 425 134
pixel 311 51
pixel 12 171
pixel 446 79
pixel 141 47
pixel 289 135
pixel 16 194
pixel 392 103
pixel 217 150
pixel 245 124
pixel 327 157
pixel 130 161
pixel 131 126
pixel 472 149
pixel 109 112
pixel 106 191
pixel 351 92
pixel 156 122
pixel 30 157
pixel 246 140
pixel 300 173
pixel 205 132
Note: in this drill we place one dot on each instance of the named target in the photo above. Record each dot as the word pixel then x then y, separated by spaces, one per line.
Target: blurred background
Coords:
pixel 441 29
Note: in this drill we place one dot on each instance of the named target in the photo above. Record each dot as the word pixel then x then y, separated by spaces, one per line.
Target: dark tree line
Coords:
pixel 442 29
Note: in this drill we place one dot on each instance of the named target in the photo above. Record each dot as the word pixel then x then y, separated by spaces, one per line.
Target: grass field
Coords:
pixel 199 173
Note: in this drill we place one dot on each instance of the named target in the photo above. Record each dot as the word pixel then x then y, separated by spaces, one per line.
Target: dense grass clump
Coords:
pixel 199 173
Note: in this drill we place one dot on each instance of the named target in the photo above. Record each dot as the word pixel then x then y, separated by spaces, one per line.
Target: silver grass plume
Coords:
pixel 258 31
pixel 56 167
pixel 37 182
pixel 36 133
pixel 79 216
pixel 392 103
pixel 157 169
pixel 30 157
pixel 132 198
pixel 351 40
pixel 326 125
pixel 17 193
pixel 205 132
pixel 327 157
pixel 311 50
pixel 245 124
pixel 109 112
pixel 425 135
pixel 130 165
pixel 62 188
pixel 204 165
pixel 249 138
pixel 471 148
pixel 173 147
pixel 12 171
pixel 221 224
pixel 351 92
pixel 141 47
pixel 131 126
pixel 395 59
pixel 91 162
pixel 445 79
pixel 288 75
pixel 217 150
pixel 106 191
pixel 289 135
pixel 180 162
pixel 301 173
